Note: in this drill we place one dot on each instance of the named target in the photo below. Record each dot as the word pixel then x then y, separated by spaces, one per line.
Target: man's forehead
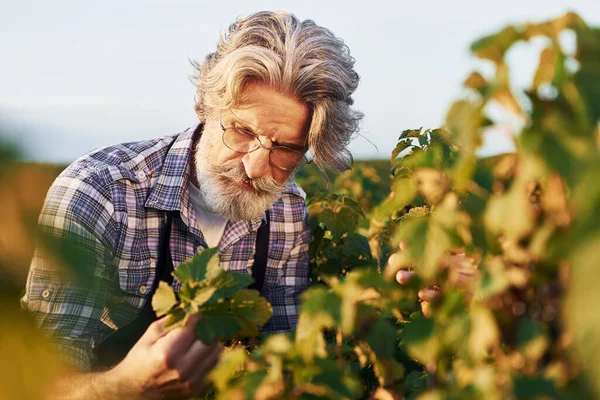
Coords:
pixel 268 110
pixel 259 116
pixel 279 128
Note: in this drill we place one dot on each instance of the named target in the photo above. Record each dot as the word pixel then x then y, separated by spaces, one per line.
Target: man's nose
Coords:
pixel 257 163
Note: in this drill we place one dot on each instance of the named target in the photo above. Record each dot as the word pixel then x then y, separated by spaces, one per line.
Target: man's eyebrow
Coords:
pixel 293 146
pixel 244 126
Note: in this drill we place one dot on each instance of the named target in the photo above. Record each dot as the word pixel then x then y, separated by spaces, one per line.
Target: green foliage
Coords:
pixel 28 365
pixel 227 309
pixel 337 245
pixel 342 331
pixel 523 227
pixel 368 182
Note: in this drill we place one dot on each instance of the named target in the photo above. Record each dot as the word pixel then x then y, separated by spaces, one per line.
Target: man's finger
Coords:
pixel 397 261
pixel 155 331
pixel 199 380
pixel 179 340
pixel 393 260
pixel 426 308
pixel 428 294
pixel 461 261
pixel 404 276
pixel 465 277
pixel 196 354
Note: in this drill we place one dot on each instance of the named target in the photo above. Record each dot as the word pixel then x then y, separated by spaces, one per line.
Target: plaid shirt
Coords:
pixel 113 201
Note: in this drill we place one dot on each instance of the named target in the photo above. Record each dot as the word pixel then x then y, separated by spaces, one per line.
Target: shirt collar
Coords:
pixel 170 191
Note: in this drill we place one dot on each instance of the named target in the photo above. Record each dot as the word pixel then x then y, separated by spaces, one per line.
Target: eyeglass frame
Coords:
pixel 260 144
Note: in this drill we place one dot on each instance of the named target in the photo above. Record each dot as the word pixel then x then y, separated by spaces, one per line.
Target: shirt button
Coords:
pixel 143 289
pixel 46 293
pixel 140 174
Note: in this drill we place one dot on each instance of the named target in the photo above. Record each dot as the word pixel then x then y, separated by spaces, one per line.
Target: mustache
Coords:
pixel 235 171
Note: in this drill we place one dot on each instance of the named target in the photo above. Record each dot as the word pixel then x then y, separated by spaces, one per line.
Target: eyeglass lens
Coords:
pixel 244 142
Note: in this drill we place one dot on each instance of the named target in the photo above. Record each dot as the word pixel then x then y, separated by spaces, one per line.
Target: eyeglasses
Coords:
pixel 243 141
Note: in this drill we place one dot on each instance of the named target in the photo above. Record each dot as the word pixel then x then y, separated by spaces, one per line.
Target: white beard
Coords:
pixel 219 189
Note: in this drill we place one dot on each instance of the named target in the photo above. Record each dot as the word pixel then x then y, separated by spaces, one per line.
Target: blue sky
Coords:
pixel 79 75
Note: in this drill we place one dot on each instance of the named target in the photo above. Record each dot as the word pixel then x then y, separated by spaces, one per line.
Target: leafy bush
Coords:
pixel 527 223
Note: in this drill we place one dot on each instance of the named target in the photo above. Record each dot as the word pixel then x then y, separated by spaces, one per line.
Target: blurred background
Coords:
pixel 81 75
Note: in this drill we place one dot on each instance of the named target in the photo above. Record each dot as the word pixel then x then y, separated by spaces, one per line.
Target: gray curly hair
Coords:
pixel 298 58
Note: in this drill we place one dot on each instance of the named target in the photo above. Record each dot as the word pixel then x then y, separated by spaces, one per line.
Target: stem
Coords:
pixel 339 339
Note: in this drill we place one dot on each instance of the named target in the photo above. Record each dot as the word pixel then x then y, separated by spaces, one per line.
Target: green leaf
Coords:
pixel 404 190
pixel 369 278
pixel 203 294
pixel 164 299
pixel 582 302
pixel 333 377
pixel 349 291
pixel 318 300
pixel 416 381
pixel 278 344
pixel 494 46
pixel 415 231
pixel 382 339
pixel 252 382
pixel 187 291
pixel 354 206
pixel 213 267
pixel 339 382
pixel 475 81
pixel 228 283
pixel 328 217
pixel 533 387
pixel 528 331
pixel 410 133
pixel 357 245
pixel 484 334
pixel 400 147
pixel 252 311
pixel 216 323
pixel 546 68
pixel 464 120
pixel 588 76
pixel 418 330
pixel 343 222
pixel 462 174
pixel 176 318
pixel 229 366
pixel 196 268
pixel 555 152
pixel 310 342
pixel 421 340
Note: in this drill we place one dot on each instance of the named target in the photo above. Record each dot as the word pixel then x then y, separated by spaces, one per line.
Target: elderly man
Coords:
pixel 275 89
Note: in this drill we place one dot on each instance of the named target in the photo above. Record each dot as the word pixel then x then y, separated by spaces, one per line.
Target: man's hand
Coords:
pixel 463 274
pixel 167 364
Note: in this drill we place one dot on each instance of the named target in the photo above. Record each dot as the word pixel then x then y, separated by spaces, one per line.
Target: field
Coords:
pixel 502 253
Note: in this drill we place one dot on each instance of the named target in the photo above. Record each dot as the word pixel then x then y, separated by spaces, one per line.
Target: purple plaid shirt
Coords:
pixel 113 201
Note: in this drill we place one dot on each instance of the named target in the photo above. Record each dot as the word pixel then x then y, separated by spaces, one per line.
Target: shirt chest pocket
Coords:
pixel 134 289
pixel 137 278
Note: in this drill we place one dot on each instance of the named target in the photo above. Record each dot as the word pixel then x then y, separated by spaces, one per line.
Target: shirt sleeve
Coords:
pixel 68 277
